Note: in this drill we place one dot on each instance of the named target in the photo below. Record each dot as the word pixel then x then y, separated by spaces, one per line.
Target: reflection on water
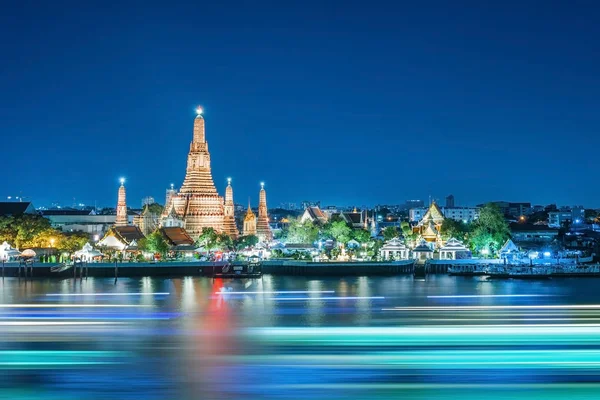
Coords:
pixel 293 337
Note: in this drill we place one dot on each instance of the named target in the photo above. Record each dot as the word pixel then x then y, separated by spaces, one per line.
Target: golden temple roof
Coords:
pixel 249 214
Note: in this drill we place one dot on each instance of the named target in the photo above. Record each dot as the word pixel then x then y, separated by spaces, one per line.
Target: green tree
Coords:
pixel 155 208
pixel 302 232
pixel 208 239
pixel 155 243
pixel 21 231
pixel 361 236
pixel 453 229
pixel 591 215
pixel 245 241
pixel 71 242
pixel 390 233
pixel 224 242
pixel 490 230
pixel 339 231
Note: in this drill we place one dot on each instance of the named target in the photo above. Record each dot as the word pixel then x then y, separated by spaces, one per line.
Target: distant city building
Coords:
pixel 288 206
pixel 450 201
pixel 529 233
pixel 146 201
pixel 68 220
pixel 511 209
pixel 416 214
pixel 575 215
pixel 306 204
pixel 330 210
pixel 464 214
pixel 414 204
pixel 16 208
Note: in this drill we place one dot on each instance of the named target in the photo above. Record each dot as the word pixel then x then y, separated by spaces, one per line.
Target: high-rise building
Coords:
pixel 121 219
pixel 198 204
pixel 450 201
pixel 263 230
pixel 229 225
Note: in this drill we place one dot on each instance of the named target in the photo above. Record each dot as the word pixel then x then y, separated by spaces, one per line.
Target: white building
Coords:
pixel 416 214
pixel 464 214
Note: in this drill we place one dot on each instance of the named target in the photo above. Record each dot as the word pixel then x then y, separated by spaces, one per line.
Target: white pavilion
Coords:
pixel 396 249
pixel 454 249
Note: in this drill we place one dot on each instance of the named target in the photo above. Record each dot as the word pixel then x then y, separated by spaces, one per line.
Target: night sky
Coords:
pixel 349 103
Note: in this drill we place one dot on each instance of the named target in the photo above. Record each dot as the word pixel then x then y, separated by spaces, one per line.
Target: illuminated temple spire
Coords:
pixel 263 230
pixel 198 204
pixel 121 219
pixel 198 177
pixel 249 222
pixel 229 219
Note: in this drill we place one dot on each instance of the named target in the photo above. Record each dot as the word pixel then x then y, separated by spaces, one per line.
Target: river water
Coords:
pixel 293 338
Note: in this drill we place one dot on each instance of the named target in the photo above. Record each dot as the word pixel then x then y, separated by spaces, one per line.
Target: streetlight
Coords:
pixel 51 242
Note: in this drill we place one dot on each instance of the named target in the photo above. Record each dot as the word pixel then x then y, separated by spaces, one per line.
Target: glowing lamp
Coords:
pixel 199 110
pixel 122 180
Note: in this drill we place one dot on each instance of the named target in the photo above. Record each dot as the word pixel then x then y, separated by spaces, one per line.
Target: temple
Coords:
pixel 198 204
pixel 229 225
pixel 263 230
pixel 429 227
pixel 121 219
pixel 249 222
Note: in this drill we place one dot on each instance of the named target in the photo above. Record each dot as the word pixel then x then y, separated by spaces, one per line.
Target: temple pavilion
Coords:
pixel 454 249
pixel 394 249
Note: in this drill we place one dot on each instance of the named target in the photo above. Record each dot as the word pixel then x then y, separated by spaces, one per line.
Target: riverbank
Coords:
pixel 200 268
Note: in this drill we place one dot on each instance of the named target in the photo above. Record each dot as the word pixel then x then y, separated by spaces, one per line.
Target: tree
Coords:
pixel 591 215
pixel 224 241
pixel 155 243
pixel 361 235
pixel 155 208
pixel 208 239
pixel 339 231
pixel 245 241
pixel 72 242
pixel 21 231
pixel 299 232
pixel 390 233
pixel 490 230
pixel 453 229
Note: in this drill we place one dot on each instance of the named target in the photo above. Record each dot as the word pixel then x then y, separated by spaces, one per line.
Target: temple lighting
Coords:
pixel 199 110
pixel 122 180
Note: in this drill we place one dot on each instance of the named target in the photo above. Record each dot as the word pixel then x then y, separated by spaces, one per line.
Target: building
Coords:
pixel 574 215
pixel 429 227
pixel 229 225
pixel 394 249
pixel 530 233
pixel 249 222
pixel 315 215
pixel 511 209
pixel 450 201
pixel 121 219
pixel 416 214
pixel 198 204
pixel 146 221
pixel 16 208
pixel 464 214
pixel 178 239
pixel 414 204
pixel 263 230
pixel 95 225
pixel 121 237
pixel 454 249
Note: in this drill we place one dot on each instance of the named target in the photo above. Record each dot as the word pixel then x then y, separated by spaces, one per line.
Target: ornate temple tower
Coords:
pixel 263 230
pixel 121 219
pixel 249 222
pixel 229 225
pixel 198 204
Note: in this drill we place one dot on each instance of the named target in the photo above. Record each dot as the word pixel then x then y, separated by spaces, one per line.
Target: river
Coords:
pixel 294 338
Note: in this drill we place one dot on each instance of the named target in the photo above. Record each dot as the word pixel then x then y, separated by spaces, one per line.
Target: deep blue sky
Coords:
pixel 344 102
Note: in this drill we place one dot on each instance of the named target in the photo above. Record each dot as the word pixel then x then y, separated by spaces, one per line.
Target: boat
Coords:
pixel 249 269
pixel 519 272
